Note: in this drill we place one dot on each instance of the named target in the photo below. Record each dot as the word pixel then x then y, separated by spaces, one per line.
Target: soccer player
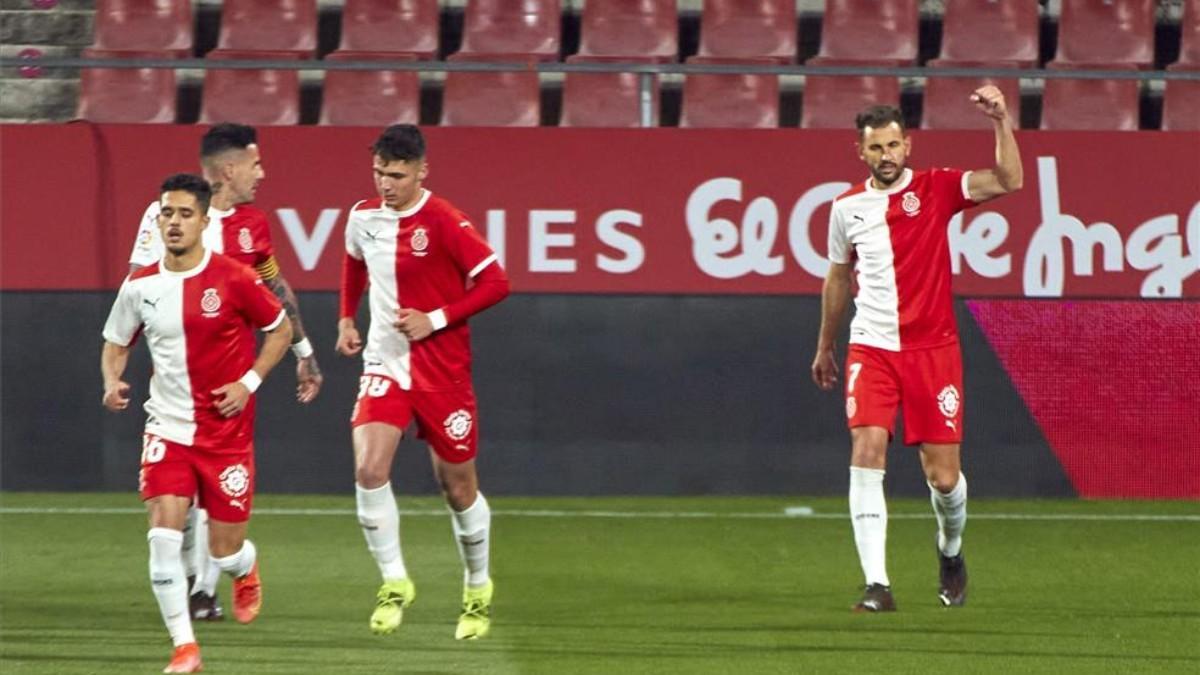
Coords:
pixel 232 163
pixel 904 349
pixel 198 310
pixel 429 270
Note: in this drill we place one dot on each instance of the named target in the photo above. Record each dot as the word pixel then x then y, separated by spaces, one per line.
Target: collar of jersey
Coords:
pixel 425 195
pixel 214 211
pixel 900 184
pixel 162 269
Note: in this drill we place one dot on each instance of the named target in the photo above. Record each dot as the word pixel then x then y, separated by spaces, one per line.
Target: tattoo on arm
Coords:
pixel 279 286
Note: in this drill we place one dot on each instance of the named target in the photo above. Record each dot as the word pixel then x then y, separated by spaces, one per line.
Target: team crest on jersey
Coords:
pixel 948 401
pixel 911 203
pixel 235 480
pixel 210 302
pixel 851 407
pixel 420 241
pixel 245 240
pixel 458 424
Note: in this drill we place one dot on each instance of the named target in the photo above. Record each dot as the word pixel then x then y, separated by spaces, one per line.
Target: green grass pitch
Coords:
pixel 626 586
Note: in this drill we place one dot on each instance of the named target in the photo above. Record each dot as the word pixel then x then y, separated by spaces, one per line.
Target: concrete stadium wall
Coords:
pixel 579 395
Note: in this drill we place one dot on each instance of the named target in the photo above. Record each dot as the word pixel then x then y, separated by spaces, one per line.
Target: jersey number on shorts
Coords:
pixel 855 369
pixel 153 449
pixel 373 386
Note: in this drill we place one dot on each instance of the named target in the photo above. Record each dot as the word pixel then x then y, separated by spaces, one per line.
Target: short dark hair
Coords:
pixel 402 142
pixel 192 184
pixel 877 116
pixel 227 136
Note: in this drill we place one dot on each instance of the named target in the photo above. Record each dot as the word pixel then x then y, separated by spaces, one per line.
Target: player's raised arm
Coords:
pixel 1007 176
pixel 113 360
pixel 835 296
pixel 232 397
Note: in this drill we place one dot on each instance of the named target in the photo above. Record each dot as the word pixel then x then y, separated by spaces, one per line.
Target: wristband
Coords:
pixel 251 380
pixel 438 318
pixel 302 349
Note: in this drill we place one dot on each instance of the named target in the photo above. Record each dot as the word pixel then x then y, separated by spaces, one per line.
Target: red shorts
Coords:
pixel 445 419
pixel 925 383
pixel 224 481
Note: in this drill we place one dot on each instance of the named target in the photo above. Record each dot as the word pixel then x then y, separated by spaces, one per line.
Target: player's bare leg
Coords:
pixel 948 493
pixel 471 519
pixel 167 515
pixel 237 557
pixel 869 515
pixel 375 446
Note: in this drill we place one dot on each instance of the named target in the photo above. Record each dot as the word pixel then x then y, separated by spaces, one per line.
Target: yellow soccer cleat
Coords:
pixel 476 617
pixel 390 601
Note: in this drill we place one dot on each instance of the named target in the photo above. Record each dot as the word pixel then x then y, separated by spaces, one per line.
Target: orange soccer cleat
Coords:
pixel 247 596
pixel 186 659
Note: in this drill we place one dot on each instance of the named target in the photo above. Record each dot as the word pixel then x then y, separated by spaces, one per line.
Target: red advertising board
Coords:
pixel 674 211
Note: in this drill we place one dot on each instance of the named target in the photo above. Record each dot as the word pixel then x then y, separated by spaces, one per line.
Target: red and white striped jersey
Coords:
pixel 199 325
pixel 242 233
pixel 900 240
pixel 420 258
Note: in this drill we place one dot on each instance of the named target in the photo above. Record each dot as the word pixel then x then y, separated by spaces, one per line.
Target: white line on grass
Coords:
pixel 790 513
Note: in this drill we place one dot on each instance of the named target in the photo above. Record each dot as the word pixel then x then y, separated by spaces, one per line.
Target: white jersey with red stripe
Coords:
pixel 900 241
pixel 242 233
pixel 199 327
pixel 420 258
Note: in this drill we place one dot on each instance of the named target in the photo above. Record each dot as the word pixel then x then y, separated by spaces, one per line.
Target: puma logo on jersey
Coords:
pixel 859 218
pixel 373 235
pixel 153 305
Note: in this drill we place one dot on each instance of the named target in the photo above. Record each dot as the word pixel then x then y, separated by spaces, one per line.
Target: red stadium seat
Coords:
pixel 525 27
pixel 833 101
pixel 269 25
pixel 374 98
pixel 1181 106
pixel 491 99
pixel 145 25
pixel 990 31
pixel 1098 105
pixel 255 97
pixel 876 31
pixel 755 29
pixel 1189 39
pixel 948 105
pixel 605 99
pixel 408 26
pixel 1092 32
pixel 741 101
pixel 126 95
pixel 647 29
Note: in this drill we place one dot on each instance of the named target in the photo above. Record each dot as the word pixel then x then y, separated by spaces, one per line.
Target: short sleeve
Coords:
pixel 471 252
pixel 147 247
pixel 123 322
pixel 352 247
pixel 258 304
pixel 260 230
pixel 951 185
pixel 839 243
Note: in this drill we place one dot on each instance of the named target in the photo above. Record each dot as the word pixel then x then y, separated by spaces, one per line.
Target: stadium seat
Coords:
pixel 990 31
pixel 126 95
pixel 256 97
pixel 1181 106
pixel 375 98
pixel 647 29
pixel 491 99
pixel 1093 32
pixel 741 29
pixel 1189 38
pixel 406 26
pixel 1097 105
pixel 605 99
pixel 947 103
pixel 144 25
pixel 269 25
pixel 876 31
pixel 526 27
pixel 741 101
pixel 833 101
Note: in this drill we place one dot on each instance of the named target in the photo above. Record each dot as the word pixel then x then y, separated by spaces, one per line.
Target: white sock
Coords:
pixel 869 516
pixel 190 538
pixel 471 530
pixel 211 576
pixel 380 520
pixel 239 564
pixel 951 511
pixel 206 571
pixel 169 582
